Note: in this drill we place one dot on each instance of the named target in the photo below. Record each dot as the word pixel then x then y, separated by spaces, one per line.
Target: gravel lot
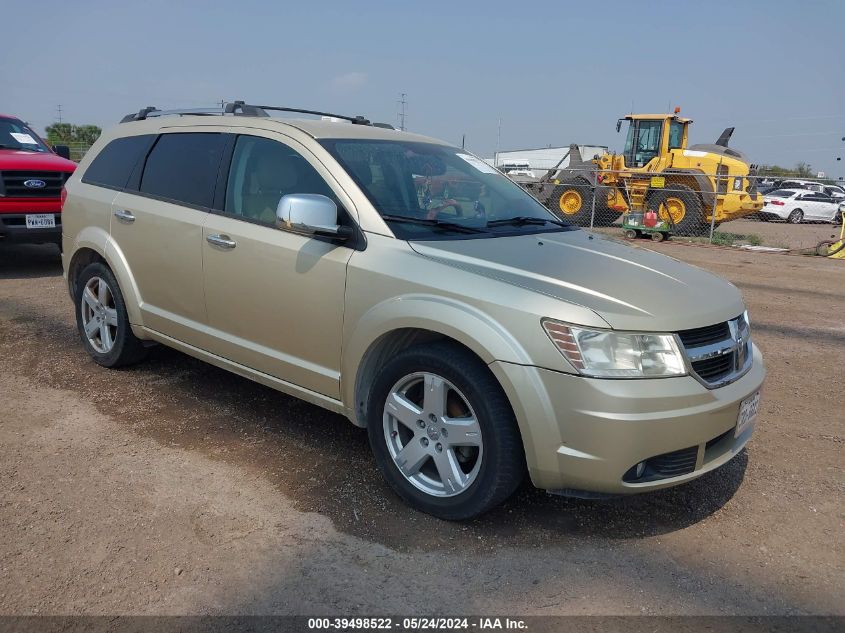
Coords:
pixel 174 487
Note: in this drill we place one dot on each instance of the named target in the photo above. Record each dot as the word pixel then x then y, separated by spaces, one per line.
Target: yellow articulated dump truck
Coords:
pixel 656 171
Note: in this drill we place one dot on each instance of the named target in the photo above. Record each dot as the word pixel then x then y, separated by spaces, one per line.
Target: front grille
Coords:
pixel 714 369
pixel 674 464
pixel 14 187
pixel 719 353
pixel 705 335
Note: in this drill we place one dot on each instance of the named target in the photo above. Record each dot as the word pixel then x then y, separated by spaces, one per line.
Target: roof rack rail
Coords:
pixel 240 108
pixel 152 111
pixel 140 115
pixel 247 109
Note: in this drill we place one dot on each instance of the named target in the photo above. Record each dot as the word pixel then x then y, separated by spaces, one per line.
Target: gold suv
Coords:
pixel 411 287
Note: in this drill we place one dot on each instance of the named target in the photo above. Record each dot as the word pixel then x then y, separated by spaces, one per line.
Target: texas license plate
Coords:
pixel 41 221
pixel 747 413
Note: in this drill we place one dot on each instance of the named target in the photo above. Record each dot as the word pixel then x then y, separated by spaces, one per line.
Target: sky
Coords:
pixel 551 73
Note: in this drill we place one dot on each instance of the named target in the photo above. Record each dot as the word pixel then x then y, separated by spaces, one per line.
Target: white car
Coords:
pixel 799 205
pixel 832 190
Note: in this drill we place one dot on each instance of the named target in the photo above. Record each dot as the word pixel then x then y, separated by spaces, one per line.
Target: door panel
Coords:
pixel 275 301
pixel 274 298
pixel 163 248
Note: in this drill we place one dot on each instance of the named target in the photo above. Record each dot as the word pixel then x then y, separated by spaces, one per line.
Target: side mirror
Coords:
pixel 62 150
pixel 311 214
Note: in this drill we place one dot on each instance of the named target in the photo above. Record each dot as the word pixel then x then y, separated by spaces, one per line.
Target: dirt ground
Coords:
pixel 174 487
pixel 783 235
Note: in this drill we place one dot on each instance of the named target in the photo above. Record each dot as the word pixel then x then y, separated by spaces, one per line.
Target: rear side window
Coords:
pixel 183 168
pixel 113 166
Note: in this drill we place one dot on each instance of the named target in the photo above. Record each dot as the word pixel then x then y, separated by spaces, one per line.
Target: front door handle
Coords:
pixel 124 216
pixel 223 241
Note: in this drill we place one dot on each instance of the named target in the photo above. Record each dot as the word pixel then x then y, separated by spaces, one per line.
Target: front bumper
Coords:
pixel 585 434
pixel 13 229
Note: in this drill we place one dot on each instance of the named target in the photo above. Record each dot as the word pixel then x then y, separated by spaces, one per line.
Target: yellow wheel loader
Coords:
pixel 656 171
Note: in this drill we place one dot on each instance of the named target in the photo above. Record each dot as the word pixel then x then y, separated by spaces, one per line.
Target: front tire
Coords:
pixel 102 320
pixel 680 206
pixel 443 432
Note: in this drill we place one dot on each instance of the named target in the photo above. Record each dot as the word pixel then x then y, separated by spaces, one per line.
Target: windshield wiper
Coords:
pixel 455 226
pixel 521 220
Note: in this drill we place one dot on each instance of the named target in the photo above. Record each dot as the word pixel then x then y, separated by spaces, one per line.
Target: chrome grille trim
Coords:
pixel 699 356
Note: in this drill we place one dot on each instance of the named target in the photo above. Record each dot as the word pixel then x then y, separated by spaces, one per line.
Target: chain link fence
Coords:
pixel 723 205
pixel 77 150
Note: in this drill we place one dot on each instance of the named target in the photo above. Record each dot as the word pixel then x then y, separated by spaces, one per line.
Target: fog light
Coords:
pixel 639 469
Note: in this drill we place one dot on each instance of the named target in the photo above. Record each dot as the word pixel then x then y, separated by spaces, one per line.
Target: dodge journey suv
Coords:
pixel 409 286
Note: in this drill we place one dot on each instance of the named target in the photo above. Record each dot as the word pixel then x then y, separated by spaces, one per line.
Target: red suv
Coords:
pixel 32 176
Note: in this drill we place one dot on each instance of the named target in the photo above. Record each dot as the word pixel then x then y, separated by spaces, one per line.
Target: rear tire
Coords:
pixel 796 217
pixel 405 423
pixel 102 319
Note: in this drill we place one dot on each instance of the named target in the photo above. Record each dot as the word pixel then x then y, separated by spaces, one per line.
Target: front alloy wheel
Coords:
pixel 432 434
pixel 443 432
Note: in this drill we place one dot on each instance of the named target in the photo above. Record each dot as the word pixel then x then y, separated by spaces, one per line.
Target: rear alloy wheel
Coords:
pixel 102 320
pixel 796 217
pixel 443 433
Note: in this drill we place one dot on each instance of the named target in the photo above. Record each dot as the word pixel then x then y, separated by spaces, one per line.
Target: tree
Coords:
pixel 801 170
pixel 69 134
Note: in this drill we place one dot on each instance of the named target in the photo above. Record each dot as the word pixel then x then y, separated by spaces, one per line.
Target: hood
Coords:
pixel 631 288
pixel 37 161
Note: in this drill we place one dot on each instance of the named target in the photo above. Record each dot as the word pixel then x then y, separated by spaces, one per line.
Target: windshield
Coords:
pixel 780 193
pixel 426 191
pixel 16 135
pixel 642 143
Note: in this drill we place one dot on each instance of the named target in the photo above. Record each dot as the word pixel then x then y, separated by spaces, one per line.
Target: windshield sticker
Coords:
pixel 479 164
pixel 26 139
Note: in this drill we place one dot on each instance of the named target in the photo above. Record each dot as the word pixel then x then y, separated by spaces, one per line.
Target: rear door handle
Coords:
pixel 124 216
pixel 223 241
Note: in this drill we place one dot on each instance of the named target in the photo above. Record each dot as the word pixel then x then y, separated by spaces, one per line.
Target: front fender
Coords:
pixel 486 337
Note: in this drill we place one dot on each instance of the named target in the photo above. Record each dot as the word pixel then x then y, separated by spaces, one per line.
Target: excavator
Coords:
pixel 657 171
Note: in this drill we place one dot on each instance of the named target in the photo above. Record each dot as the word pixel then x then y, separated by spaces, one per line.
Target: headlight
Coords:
pixel 611 354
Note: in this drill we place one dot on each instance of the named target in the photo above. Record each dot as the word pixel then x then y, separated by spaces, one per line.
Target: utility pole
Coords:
pixel 498 141
pixel 59 112
pixel 402 103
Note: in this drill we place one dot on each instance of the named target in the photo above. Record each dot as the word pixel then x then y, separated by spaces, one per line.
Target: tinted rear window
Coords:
pixel 114 164
pixel 183 167
pixel 781 193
